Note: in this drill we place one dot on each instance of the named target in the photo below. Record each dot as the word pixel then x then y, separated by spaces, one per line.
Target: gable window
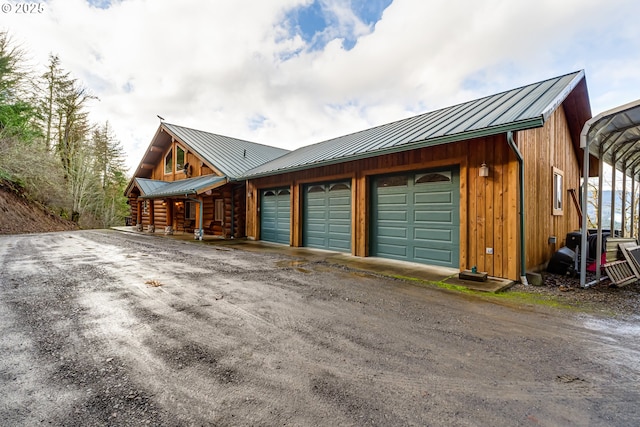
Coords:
pixel 558 192
pixel 179 159
pixel 168 162
pixel 190 210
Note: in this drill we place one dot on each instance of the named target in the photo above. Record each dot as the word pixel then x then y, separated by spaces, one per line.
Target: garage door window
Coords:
pixel 339 187
pixel 392 181
pixel 316 189
pixel 427 178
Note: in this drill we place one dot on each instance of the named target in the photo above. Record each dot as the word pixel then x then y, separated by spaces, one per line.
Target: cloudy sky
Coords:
pixel 293 72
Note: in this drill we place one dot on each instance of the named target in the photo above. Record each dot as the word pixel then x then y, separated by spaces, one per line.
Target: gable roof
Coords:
pixel 517 109
pixel 231 157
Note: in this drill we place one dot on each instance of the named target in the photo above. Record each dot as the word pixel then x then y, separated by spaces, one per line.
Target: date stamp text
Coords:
pixel 23 8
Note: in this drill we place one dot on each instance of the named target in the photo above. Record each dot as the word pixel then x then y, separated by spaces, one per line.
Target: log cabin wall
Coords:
pixel 488 206
pixel 239 209
pixel 544 149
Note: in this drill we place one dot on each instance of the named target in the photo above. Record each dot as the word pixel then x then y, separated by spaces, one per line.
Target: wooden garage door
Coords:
pixel 275 215
pixel 416 217
pixel 327 216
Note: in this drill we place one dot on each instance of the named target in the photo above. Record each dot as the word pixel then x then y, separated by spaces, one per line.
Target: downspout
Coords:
pixel 200 229
pixel 523 259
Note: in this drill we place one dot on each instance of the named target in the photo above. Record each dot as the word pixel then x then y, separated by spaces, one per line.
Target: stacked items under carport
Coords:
pixel 623 261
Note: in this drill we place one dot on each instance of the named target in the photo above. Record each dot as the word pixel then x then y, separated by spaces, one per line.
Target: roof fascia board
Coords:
pixel 522 125
pixel 553 106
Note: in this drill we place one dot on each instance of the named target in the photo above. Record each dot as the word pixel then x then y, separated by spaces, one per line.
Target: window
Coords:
pixel 393 181
pixel 190 212
pixel 425 178
pixel 338 187
pixel 168 162
pixel 179 159
pixel 558 192
pixel 316 189
pixel 145 207
pixel 219 211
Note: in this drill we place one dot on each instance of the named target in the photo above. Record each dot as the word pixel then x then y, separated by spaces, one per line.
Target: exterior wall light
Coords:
pixel 484 170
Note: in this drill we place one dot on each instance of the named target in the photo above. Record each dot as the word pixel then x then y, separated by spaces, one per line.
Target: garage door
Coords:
pixel 275 215
pixel 416 217
pixel 327 216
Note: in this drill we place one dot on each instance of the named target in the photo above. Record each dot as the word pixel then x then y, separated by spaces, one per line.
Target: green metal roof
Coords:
pixel 153 189
pixel 231 156
pixel 517 109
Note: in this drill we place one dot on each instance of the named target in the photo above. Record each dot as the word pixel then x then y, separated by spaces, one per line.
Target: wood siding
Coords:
pixel 544 149
pixel 489 206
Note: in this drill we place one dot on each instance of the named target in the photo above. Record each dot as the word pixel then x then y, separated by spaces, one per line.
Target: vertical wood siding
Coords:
pixel 489 208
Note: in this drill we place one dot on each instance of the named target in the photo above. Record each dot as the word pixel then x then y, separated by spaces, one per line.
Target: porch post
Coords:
pixel 168 229
pixel 139 215
pixel 151 228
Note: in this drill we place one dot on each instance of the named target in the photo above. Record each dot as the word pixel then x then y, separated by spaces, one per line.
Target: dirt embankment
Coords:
pixel 20 215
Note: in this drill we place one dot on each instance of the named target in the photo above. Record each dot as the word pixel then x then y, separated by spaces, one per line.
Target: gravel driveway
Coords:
pixel 108 328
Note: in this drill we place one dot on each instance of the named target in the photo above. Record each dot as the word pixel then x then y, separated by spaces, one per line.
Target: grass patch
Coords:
pixel 512 297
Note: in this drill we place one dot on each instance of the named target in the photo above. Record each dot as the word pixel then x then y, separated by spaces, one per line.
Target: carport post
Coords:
pixel 585 194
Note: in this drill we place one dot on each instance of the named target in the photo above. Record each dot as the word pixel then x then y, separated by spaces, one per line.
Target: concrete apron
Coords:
pixel 383 266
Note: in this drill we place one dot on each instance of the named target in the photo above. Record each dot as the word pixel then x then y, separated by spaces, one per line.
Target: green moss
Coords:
pixel 511 297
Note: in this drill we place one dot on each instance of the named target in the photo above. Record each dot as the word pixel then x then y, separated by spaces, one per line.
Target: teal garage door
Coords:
pixel 416 217
pixel 275 215
pixel 327 216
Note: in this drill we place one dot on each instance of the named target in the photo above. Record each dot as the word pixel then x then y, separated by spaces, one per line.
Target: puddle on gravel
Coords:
pixel 287 263
pixel 618 327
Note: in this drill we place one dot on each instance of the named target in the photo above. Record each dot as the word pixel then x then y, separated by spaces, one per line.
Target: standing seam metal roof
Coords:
pixel 231 156
pixel 152 188
pixel 517 109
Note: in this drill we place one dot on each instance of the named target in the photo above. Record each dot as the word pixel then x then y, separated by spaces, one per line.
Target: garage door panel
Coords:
pixel 327 216
pixel 432 255
pixel 392 199
pixel 344 201
pixel 444 217
pixel 392 215
pixel 389 250
pixel 345 245
pixel 340 215
pixel 275 216
pixel 419 221
pixel 315 215
pixel 430 234
pixel 433 198
pixel 389 231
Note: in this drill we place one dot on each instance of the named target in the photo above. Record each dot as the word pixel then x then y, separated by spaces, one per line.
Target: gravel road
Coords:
pixel 107 328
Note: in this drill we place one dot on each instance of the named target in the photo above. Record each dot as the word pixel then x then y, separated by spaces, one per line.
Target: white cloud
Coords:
pixel 232 67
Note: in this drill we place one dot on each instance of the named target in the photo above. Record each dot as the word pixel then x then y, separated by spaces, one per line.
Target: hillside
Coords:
pixel 19 215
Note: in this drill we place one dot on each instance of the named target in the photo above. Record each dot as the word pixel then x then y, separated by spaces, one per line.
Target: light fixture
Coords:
pixel 484 170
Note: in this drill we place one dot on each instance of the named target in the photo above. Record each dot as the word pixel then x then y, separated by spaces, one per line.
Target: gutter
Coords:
pixel 523 263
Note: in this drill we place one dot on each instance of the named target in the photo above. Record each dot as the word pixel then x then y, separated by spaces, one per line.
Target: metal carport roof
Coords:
pixel 613 137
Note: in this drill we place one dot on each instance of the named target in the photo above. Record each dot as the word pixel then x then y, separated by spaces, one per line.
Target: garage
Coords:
pixel 327 216
pixel 416 217
pixel 275 218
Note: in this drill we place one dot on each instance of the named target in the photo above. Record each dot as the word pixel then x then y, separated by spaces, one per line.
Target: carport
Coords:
pixel 613 137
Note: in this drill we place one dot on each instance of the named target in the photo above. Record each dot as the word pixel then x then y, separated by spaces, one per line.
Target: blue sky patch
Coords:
pixel 100 4
pixel 322 21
